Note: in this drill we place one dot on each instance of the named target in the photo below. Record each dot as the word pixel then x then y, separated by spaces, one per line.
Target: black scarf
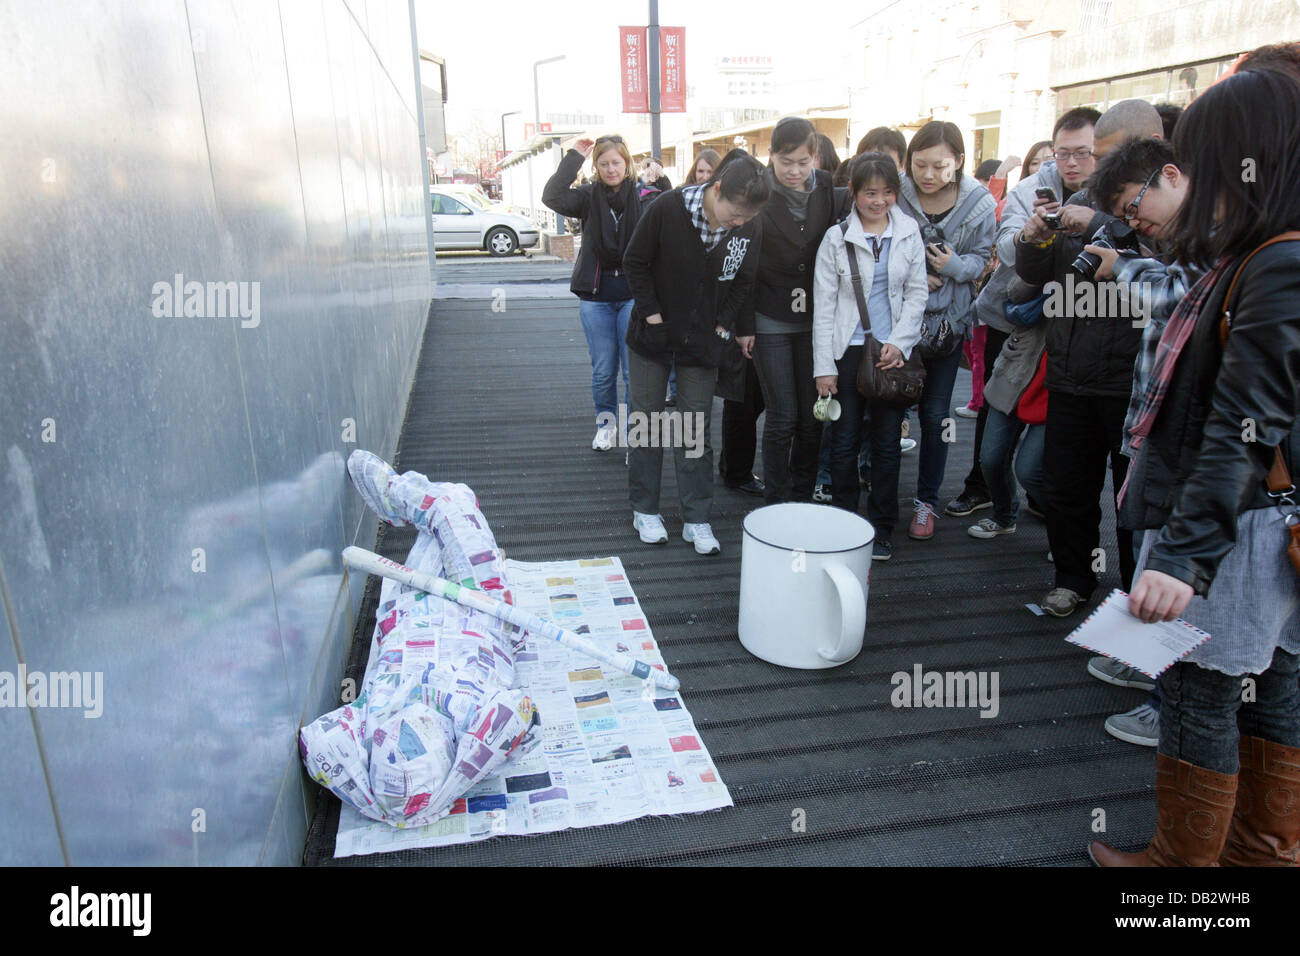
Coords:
pixel 612 207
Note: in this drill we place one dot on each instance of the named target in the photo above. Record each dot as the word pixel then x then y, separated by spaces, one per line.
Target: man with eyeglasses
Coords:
pixel 1072 135
pixel 1091 346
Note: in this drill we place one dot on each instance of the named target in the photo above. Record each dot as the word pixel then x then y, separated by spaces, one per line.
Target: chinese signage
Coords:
pixel 672 69
pixel 745 64
pixel 633 69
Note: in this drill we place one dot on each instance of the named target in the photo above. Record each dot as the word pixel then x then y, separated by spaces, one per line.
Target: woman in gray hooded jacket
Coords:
pixel 956 216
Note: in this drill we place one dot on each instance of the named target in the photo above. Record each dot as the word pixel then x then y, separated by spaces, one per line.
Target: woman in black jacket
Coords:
pixel 803 205
pixel 1217 416
pixel 691 267
pixel 610 207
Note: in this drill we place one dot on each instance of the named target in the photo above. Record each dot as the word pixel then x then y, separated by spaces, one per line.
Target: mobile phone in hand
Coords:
pixel 1046 192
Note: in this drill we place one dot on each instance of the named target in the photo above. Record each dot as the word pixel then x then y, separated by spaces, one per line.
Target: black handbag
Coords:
pixel 900 387
pixel 731 372
pixel 937 337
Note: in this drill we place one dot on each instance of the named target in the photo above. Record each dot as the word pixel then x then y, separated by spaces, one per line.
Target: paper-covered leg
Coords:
pixel 504 722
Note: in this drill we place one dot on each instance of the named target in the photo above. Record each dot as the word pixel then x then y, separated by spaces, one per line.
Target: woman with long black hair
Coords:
pixel 609 207
pixel 691 266
pixel 803 205
pixel 1212 436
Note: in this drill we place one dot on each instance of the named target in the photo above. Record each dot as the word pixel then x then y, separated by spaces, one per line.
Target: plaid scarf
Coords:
pixel 1172 340
pixel 693 197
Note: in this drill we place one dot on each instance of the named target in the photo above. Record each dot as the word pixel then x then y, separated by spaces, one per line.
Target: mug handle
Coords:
pixel 853 615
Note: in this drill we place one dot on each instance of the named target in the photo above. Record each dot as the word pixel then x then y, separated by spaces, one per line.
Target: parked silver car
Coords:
pixel 460 224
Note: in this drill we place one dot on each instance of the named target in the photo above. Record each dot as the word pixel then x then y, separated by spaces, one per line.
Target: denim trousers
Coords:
pixel 1202 711
pixel 997 453
pixel 846 434
pixel 791 435
pixel 933 409
pixel 605 325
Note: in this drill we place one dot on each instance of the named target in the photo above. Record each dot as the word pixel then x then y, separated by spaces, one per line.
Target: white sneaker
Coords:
pixel 604 439
pixel 906 444
pixel 702 536
pixel 650 527
pixel 965 411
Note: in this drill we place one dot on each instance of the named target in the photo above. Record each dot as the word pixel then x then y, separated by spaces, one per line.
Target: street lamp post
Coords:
pixel 505 152
pixel 537 119
pixel 503 127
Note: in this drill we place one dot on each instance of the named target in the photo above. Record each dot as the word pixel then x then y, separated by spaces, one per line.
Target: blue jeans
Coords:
pixel 934 407
pixel 1202 712
pixel 996 453
pixel 605 325
pixel 846 435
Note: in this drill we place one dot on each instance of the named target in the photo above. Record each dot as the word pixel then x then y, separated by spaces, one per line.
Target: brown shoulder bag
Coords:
pixel 899 387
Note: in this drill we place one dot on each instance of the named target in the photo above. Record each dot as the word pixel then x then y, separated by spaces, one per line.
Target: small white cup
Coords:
pixel 826 409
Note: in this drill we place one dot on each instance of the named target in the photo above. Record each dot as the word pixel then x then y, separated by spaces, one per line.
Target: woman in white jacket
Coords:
pixel 891 261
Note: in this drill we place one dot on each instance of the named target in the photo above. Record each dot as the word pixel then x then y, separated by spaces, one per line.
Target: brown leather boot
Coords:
pixel 1265 827
pixel 1194 807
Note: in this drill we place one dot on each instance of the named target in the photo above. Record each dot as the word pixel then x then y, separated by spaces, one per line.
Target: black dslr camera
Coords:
pixel 933 235
pixel 1113 234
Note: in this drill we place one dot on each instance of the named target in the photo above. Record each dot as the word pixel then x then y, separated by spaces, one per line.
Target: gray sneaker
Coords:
pixel 1061 602
pixel 988 528
pixel 1113 672
pixel 1140 726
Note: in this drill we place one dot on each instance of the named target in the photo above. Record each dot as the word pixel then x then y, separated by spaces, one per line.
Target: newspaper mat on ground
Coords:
pixel 613 748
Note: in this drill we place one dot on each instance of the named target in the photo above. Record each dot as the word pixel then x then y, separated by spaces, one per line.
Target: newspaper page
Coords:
pixel 613 747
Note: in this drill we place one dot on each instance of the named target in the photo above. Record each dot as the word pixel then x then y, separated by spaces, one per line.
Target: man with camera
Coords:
pixel 1072 127
pixel 1091 347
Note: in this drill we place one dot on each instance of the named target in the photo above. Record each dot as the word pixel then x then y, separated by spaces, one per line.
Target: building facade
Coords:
pixel 1003 71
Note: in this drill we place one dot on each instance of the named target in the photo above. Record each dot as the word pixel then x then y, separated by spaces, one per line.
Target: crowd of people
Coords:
pixel 1131 303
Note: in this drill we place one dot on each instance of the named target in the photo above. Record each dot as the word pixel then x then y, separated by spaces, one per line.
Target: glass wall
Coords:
pixel 1178 85
pixel 216 276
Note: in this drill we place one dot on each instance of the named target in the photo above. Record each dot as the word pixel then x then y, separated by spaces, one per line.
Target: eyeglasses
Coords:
pixel 1131 210
pixel 1065 155
pixel 609 139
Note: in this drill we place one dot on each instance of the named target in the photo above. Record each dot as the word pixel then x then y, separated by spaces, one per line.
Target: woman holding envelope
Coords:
pixel 1214 430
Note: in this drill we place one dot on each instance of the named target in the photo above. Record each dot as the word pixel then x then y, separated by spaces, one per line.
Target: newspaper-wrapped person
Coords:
pixel 437 710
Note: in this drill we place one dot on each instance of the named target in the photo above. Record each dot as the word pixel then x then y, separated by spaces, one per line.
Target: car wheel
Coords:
pixel 501 242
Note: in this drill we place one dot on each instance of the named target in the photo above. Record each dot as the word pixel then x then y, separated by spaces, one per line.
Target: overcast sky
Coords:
pixel 490 49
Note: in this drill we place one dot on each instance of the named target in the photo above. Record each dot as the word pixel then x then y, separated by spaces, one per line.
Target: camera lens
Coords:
pixel 1087 263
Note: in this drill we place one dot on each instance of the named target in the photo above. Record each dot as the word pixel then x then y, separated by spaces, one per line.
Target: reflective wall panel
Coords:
pixel 214 278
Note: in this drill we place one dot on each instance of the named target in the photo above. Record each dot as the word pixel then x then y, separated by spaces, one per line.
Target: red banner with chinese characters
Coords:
pixel 672 69
pixel 634 69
